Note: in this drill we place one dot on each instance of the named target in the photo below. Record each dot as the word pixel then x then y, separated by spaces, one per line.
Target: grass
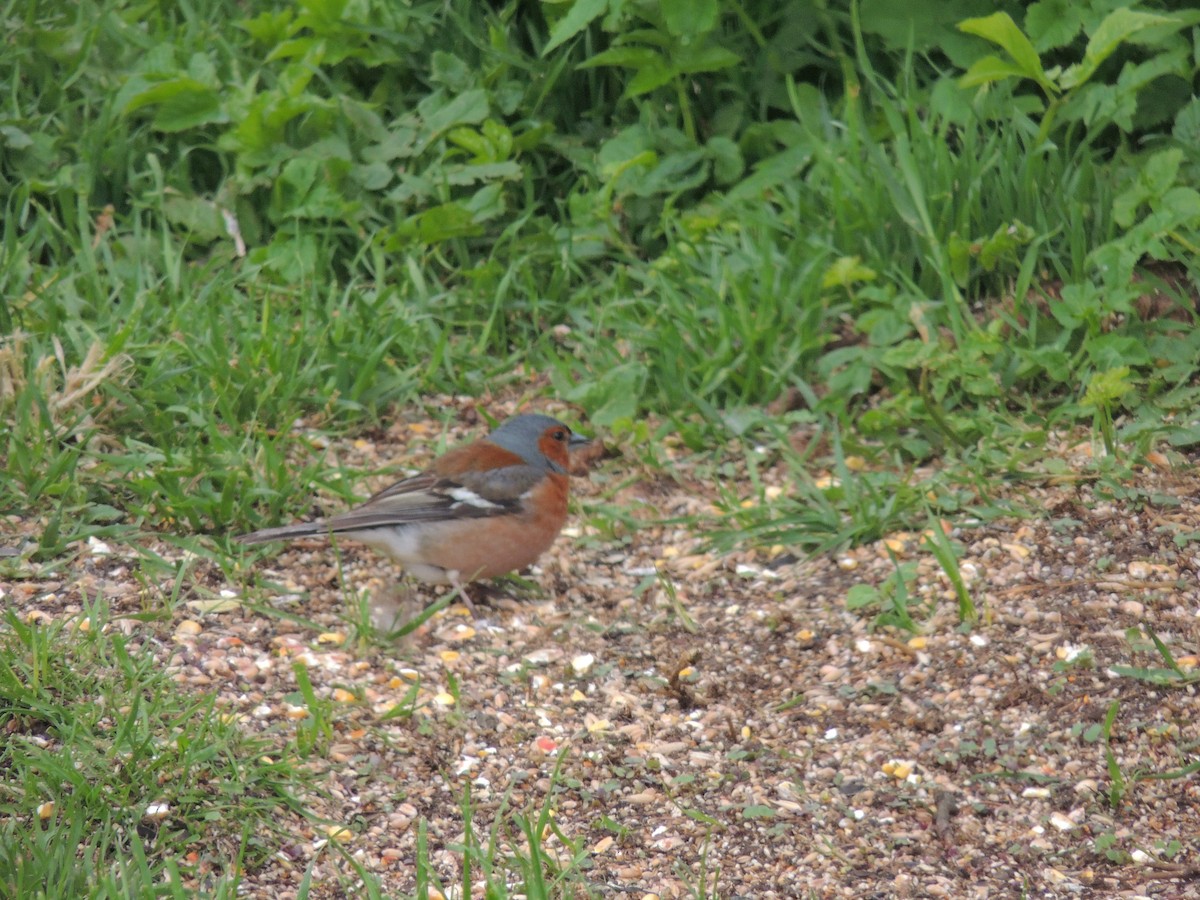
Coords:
pixel 180 385
pixel 523 853
pixel 426 213
pixel 114 776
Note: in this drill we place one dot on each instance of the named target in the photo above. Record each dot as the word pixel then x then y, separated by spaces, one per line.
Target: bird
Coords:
pixel 480 510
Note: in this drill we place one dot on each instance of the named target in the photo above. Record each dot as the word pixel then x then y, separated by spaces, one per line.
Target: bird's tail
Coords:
pixel 284 532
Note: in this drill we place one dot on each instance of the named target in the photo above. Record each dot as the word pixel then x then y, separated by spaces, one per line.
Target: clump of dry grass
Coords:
pixel 69 394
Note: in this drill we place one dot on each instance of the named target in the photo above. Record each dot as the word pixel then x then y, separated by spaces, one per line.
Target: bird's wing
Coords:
pixel 434 498
pixel 471 482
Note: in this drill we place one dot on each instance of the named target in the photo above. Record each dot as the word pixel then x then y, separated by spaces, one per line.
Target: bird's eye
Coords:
pixel 559 434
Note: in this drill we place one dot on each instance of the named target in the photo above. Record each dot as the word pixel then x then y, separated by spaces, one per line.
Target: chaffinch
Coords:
pixel 479 511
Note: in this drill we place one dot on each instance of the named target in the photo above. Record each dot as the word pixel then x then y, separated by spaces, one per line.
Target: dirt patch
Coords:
pixel 730 715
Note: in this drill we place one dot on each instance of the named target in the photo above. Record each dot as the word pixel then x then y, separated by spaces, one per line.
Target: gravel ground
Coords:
pixel 769 735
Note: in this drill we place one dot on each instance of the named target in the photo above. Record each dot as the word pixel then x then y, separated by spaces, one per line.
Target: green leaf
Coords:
pixel 702 817
pixel 440 223
pixel 14 138
pixel 201 218
pixel 268 28
pixel 1000 29
pixel 627 56
pixel 1113 351
pixel 1164 651
pixel 1003 244
pixel 650 37
pixel 324 13
pixel 649 77
pixel 1118 26
pixel 1105 388
pixel 706 59
pixel 758 811
pixel 1148 675
pixel 1181 206
pixel 165 93
pixel 373 176
pixel 182 103
pixel 298 48
pixel 847 271
pixel 1187 124
pixel 449 70
pixel 612 396
pixel 1154 181
pixel 468 108
pixel 1054 23
pixel 861 596
pixel 689 17
pixel 674 172
pixel 1077 305
pixel 103 512
pixel 581 14
pixel 961 252
pixel 910 354
pixel 989 69
pixel 471 141
pixel 728 164
pixel 476 172
pixel 1135 77
pixel 769 173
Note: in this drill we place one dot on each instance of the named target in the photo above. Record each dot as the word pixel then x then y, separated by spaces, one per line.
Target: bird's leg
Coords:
pixel 462 593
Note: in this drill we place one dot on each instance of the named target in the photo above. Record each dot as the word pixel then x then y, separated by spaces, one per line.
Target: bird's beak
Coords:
pixel 583 451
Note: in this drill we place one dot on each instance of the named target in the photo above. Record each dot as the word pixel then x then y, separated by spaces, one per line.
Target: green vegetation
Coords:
pixel 938 239
pixel 219 222
pixel 124 774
